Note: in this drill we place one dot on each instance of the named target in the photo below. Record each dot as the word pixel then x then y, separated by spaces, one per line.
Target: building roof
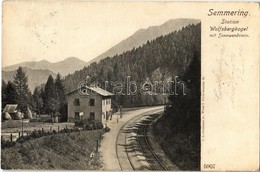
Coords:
pixel 10 108
pixel 100 91
pixel 97 90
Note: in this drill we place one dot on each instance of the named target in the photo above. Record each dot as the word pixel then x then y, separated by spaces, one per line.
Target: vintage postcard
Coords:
pixel 124 86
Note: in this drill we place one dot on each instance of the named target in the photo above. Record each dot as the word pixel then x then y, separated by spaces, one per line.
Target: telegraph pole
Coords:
pixel 22 125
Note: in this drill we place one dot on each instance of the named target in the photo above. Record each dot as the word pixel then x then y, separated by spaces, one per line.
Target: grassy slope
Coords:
pixel 62 151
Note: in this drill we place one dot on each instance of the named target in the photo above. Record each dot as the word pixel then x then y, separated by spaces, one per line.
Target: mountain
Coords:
pixel 36 77
pixel 160 59
pixel 143 35
pixel 64 67
pixel 72 64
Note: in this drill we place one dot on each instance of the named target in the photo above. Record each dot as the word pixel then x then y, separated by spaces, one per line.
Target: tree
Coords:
pixel 37 98
pixel 23 92
pixel 50 87
pixel 60 89
pixel 61 97
pixel 50 102
pixel 11 94
pixel 4 96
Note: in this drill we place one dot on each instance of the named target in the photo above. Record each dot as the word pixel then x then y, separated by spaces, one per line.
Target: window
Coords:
pixel 92 116
pixel 77 115
pixel 76 102
pixel 91 102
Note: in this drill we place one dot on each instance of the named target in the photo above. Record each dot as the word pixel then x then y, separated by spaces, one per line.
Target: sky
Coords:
pixel 53 31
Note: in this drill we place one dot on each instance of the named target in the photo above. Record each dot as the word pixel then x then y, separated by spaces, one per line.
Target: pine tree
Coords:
pixel 50 87
pixel 37 98
pixel 60 89
pixel 11 93
pixel 23 92
pixel 50 102
pixel 61 97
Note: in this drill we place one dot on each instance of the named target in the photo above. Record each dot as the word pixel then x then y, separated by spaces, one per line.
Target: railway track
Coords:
pixel 138 152
pixel 145 145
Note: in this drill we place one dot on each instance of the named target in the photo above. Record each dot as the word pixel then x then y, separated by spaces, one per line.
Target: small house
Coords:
pixel 93 103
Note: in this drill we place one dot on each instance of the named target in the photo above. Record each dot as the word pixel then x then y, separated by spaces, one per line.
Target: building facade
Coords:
pixel 94 105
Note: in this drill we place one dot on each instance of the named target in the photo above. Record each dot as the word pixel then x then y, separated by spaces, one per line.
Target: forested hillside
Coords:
pixel 178 132
pixel 160 59
pixel 141 36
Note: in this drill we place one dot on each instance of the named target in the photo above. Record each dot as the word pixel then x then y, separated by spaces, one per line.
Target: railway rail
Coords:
pixel 144 143
pixel 137 144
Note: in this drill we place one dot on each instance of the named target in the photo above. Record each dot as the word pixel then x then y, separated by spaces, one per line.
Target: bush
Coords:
pixel 41 133
pixel 6 144
pixel 99 125
pixel 35 134
pixel 85 124
pixel 79 123
pixel 21 139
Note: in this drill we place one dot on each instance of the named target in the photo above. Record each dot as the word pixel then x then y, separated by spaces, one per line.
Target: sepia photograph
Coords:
pixel 123 86
pixel 98 91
